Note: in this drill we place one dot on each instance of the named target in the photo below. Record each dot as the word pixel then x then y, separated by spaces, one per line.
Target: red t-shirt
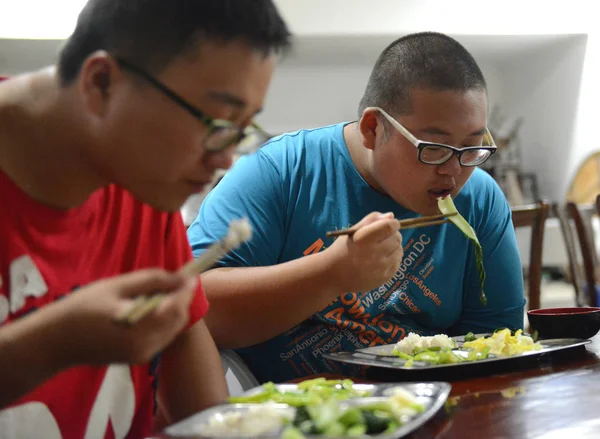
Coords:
pixel 47 253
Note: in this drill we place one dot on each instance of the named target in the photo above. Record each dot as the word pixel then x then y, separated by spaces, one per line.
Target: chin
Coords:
pixel 169 206
pixel 169 203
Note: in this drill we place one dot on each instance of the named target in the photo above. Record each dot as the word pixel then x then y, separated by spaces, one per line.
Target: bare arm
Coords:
pixel 252 304
pixel 192 376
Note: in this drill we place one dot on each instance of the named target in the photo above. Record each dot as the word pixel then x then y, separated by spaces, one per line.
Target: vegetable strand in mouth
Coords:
pixel 446 206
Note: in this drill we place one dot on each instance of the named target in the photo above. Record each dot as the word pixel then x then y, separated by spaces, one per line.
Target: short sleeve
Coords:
pixel 252 189
pixel 179 253
pixel 504 276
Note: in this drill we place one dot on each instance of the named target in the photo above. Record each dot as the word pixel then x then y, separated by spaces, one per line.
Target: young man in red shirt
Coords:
pixel 97 155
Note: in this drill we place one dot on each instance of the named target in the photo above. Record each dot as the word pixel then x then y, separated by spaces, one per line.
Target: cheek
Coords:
pixel 157 151
pixel 398 167
pixel 462 178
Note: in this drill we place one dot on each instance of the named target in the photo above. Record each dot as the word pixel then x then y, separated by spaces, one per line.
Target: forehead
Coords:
pixel 448 108
pixel 232 68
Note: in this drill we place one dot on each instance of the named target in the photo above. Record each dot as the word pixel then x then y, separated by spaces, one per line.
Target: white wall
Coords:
pixel 376 17
pixel 563 150
pixel 307 96
pixel 545 89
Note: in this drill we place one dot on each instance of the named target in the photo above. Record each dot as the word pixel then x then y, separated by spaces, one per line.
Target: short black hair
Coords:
pixel 151 33
pixel 428 60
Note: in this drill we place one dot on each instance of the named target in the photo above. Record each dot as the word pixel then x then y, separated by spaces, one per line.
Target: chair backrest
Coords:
pixel 237 374
pixel 534 216
pixel 582 215
pixel 565 220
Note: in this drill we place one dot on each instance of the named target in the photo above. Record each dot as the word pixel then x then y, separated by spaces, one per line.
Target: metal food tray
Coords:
pixel 432 395
pixel 382 356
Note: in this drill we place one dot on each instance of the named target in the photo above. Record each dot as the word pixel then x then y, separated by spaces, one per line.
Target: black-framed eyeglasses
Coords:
pixel 432 153
pixel 222 133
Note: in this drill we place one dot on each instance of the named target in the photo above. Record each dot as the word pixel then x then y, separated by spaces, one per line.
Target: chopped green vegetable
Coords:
pixel 292 433
pixel 318 411
pixel 352 417
pixel 431 349
pixel 535 336
pixel 470 337
pixel 439 356
pixel 451 403
pixel 376 421
pixel 403 355
pixel 446 206
pixel 310 392
pixel 356 430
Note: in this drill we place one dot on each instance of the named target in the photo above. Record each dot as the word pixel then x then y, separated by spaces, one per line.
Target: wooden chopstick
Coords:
pixel 410 223
pixel 144 305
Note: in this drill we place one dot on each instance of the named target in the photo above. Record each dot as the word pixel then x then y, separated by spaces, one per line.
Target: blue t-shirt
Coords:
pixel 303 184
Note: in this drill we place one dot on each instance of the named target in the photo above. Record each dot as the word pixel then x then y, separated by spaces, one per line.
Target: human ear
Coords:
pixel 97 79
pixel 369 127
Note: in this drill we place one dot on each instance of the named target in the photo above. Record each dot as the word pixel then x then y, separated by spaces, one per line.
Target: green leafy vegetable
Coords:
pixel 438 356
pixel 446 206
pixel 470 337
pixel 318 411
pixel 310 392
pixel 535 336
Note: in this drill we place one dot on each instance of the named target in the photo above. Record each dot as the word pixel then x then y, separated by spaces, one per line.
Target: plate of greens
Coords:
pixel 320 408
pixel 416 352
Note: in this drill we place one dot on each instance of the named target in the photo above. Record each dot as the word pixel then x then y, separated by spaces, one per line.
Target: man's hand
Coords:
pixel 80 330
pixel 92 337
pixel 370 257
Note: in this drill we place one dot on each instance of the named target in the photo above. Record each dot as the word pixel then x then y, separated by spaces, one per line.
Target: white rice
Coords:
pixel 413 342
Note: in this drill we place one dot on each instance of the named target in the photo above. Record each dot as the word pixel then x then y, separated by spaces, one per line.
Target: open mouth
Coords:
pixel 436 193
pixel 440 193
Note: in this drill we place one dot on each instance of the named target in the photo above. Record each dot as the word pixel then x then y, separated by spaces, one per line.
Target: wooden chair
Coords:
pixel 566 227
pixel 534 216
pixel 582 215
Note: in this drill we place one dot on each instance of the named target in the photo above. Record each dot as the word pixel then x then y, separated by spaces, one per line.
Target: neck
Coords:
pixel 41 141
pixel 361 156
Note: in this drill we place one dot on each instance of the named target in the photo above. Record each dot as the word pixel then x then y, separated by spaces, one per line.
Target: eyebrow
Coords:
pixel 440 132
pixel 230 99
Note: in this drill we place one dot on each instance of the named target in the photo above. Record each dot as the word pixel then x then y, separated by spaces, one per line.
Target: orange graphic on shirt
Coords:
pixel 353 315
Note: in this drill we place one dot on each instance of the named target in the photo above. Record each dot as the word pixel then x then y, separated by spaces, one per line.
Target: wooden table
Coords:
pixel 558 398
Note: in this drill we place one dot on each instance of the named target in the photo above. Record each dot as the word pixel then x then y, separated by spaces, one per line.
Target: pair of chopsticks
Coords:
pixel 411 223
pixel 239 232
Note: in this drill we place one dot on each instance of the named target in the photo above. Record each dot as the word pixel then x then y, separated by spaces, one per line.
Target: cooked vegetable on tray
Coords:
pixel 503 343
pixel 310 392
pixel 336 408
pixel 440 349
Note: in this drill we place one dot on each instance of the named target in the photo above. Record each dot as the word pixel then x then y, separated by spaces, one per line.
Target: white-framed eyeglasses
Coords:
pixel 432 153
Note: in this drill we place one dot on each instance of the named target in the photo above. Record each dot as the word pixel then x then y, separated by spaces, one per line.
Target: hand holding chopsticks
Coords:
pixel 411 223
pixel 239 232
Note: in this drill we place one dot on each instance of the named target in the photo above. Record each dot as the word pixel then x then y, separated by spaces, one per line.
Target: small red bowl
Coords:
pixel 575 322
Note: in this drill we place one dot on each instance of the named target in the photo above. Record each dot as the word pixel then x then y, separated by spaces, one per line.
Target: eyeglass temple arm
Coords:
pixel 412 139
pixel 260 129
pixel 489 137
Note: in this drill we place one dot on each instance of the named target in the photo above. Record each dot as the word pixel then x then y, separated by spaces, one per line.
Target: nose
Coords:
pixel 221 159
pixel 452 167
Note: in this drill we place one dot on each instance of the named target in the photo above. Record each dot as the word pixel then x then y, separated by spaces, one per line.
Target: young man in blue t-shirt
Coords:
pixel 292 293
